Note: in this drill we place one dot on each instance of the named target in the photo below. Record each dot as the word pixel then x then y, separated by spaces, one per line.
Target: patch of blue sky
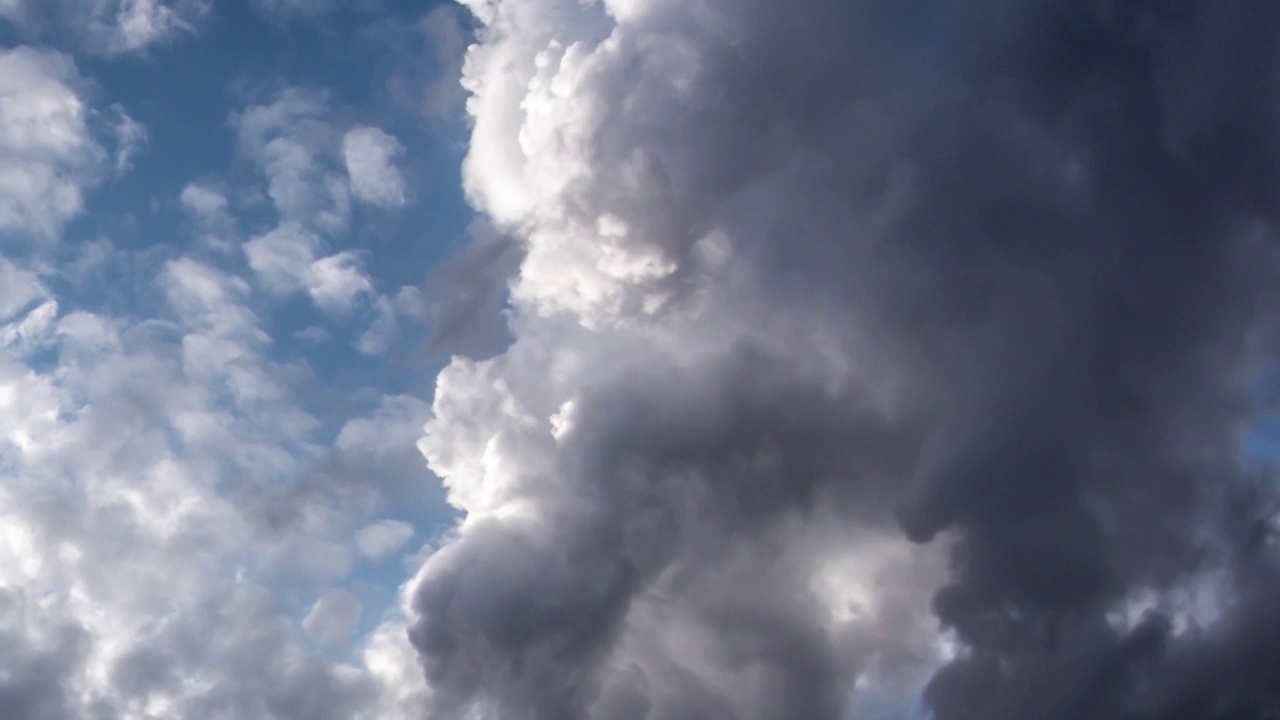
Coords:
pixel 1260 443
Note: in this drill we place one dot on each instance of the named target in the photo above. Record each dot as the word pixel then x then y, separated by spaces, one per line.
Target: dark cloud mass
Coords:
pixel 864 350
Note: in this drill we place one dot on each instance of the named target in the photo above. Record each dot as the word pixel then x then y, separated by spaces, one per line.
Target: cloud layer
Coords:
pixel 863 350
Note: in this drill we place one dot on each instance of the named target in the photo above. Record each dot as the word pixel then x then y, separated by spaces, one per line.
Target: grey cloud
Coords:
pixel 467 295
pixel 801 282
pixel 37 669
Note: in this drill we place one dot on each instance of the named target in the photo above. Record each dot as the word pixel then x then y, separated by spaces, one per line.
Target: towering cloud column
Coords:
pixel 870 358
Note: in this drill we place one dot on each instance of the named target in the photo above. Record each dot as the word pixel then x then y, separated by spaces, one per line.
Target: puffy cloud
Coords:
pixel 48 153
pixel 378 540
pixel 858 349
pixel 336 282
pixel 370 156
pixel 203 201
pixel 285 261
pixel 164 494
pixel 292 141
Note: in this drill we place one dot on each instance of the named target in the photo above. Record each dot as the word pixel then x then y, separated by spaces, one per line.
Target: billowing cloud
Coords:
pixel 859 349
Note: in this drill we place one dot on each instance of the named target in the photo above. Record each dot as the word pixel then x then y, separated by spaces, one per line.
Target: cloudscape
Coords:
pixel 639 360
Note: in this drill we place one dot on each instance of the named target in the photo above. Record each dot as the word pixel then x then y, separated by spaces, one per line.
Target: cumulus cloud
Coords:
pixel 48 153
pixel 862 354
pixel 370 156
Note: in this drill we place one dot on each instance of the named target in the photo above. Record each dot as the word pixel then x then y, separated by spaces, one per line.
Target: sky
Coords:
pixel 639 360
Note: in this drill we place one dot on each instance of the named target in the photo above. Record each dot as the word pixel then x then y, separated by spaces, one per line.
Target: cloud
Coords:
pixel 292 141
pixel 443 28
pixel 370 154
pixel 165 494
pixel 379 540
pixel 468 293
pixel 131 138
pixel 18 288
pixel 861 349
pixel 426 69
pixel 336 282
pixel 285 261
pixel 130 25
pixel 333 617
pixel 49 153
pixel 108 27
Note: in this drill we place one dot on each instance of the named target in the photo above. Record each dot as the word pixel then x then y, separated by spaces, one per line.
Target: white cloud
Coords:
pixel 285 261
pixel 337 282
pixel 131 25
pixel 109 27
pixel 394 665
pixel 294 144
pixel 370 155
pixel 282 257
pixel 204 202
pixel 379 540
pixel 48 156
pixel 159 478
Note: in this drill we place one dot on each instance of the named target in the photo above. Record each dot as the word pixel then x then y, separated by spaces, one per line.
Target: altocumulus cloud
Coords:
pixel 868 359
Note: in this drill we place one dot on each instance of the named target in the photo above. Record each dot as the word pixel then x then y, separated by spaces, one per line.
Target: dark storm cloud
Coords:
pixel 993 278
